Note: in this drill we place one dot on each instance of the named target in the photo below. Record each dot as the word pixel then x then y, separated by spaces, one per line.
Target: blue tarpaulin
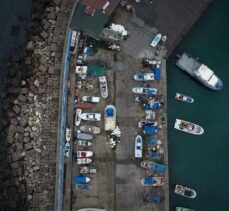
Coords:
pixel 109 112
pixel 149 129
pixel 152 141
pixel 158 167
pixel 152 198
pixel 157 73
pixel 148 180
pixel 156 105
pixel 79 179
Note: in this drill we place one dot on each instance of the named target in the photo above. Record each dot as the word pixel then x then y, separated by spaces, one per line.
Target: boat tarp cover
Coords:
pixel 110 112
pixel 149 129
pixel 140 76
pixel 158 167
pixel 96 69
pixel 152 198
pixel 148 180
pixel 151 91
pixel 79 179
pixel 147 106
pixel 157 73
pixel 152 141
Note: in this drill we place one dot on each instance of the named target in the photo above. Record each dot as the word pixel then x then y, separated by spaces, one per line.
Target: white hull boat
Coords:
pixel 144 77
pixel 109 118
pixel 84 154
pixel 152 181
pixel 156 40
pixel 91 99
pixel 188 127
pixel 90 129
pixel 138 146
pixel 103 86
pixel 68 134
pixel 144 91
pixel 184 98
pixel 84 143
pixel 82 161
pixel 185 191
pixel 77 117
pixel 91 116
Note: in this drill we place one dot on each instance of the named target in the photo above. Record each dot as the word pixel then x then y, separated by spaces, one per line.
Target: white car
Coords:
pixel 67 150
pixel 138 146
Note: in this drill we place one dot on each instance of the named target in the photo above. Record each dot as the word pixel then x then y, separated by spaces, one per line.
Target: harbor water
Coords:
pixel 201 162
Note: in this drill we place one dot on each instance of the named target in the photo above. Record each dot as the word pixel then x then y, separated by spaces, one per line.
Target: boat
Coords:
pixel 81 179
pixel 84 154
pixel 83 187
pixel 199 71
pixel 83 161
pixel 88 169
pixel 144 91
pixel 138 146
pixel 91 209
pixel 185 191
pixel 77 117
pixel 85 105
pixel 68 134
pixel 144 77
pixel 84 136
pixel 188 127
pixel 103 86
pixel 91 99
pixel 152 181
pixel 84 143
pixel 90 129
pixel 184 98
pixel 155 167
pixel 109 118
pixel 183 209
pixel 156 40
pixel 157 72
pixel 91 116
pixel 153 198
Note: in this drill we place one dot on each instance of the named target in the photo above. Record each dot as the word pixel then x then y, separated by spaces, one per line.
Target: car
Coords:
pixel 138 146
pixel 67 149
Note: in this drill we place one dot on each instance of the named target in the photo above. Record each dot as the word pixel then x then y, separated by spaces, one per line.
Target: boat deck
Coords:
pixel 187 63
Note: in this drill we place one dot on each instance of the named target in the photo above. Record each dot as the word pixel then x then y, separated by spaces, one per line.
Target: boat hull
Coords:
pixel 146 91
pixel 144 77
pixel 185 191
pixel 90 129
pixel 109 118
pixel 103 86
pixel 84 136
pixel 184 98
pixel 91 116
pixel 184 126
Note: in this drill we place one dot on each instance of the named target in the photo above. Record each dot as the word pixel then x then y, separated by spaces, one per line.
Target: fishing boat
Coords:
pixel 199 71
pixel 83 187
pixel 144 91
pixel 84 143
pixel 152 181
pixel 185 191
pixel 81 179
pixel 188 127
pixel 77 117
pixel 90 129
pixel 91 209
pixel 103 86
pixel 91 99
pixel 144 77
pixel 68 134
pixel 109 117
pixel 91 116
pixel 84 154
pixel 83 136
pixel 152 198
pixel 85 105
pixel 184 98
pixel 83 161
pixel 88 169
pixel 183 209
pixel 155 167
pixel 138 146
pixel 156 40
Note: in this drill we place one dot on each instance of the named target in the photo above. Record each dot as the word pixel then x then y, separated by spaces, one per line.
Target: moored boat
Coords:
pixel 84 154
pixel 185 191
pixel 91 99
pixel 109 117
pixel 188 127
pixel 144 76
pixel 81 179
pixel 156 40
pixel 155 167
pixel 68 134
pixel 152 181
pixel 84 143
pixel 103 86
pixel 83 161
pixel 83 136
pixel 91 116
pixel 184 98
pixel 88 169
pixel 90 129
pixel 183 209
pixel 144 91
pixel 199 71
pixel 77 117
pixel 138 146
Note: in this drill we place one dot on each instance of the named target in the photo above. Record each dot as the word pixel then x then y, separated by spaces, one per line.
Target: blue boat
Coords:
pixel 152 181
pixel 152 198
pixel 155 167
pixel 81 179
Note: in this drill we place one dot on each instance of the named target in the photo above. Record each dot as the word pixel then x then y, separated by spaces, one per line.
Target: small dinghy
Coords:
pixel 90 129
pixel 77 117
pixel 83 187
pixel 183 209
pixel 185 191
pixel 152 181
pixel 138 146
pixel 85 105
pixel 68 134
pixel 188 127
pixel 81 179
pixel 83 136
pixel 184 98
pixel 144 77
pixel 144 91
pixel 84 154
pixel 91 99
pixel 91 116
pixel 84 143
pixel 103 86
pixel 156 40
pixel 83 161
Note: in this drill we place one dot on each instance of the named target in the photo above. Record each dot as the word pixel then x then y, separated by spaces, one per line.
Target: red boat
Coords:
pixel 85 105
